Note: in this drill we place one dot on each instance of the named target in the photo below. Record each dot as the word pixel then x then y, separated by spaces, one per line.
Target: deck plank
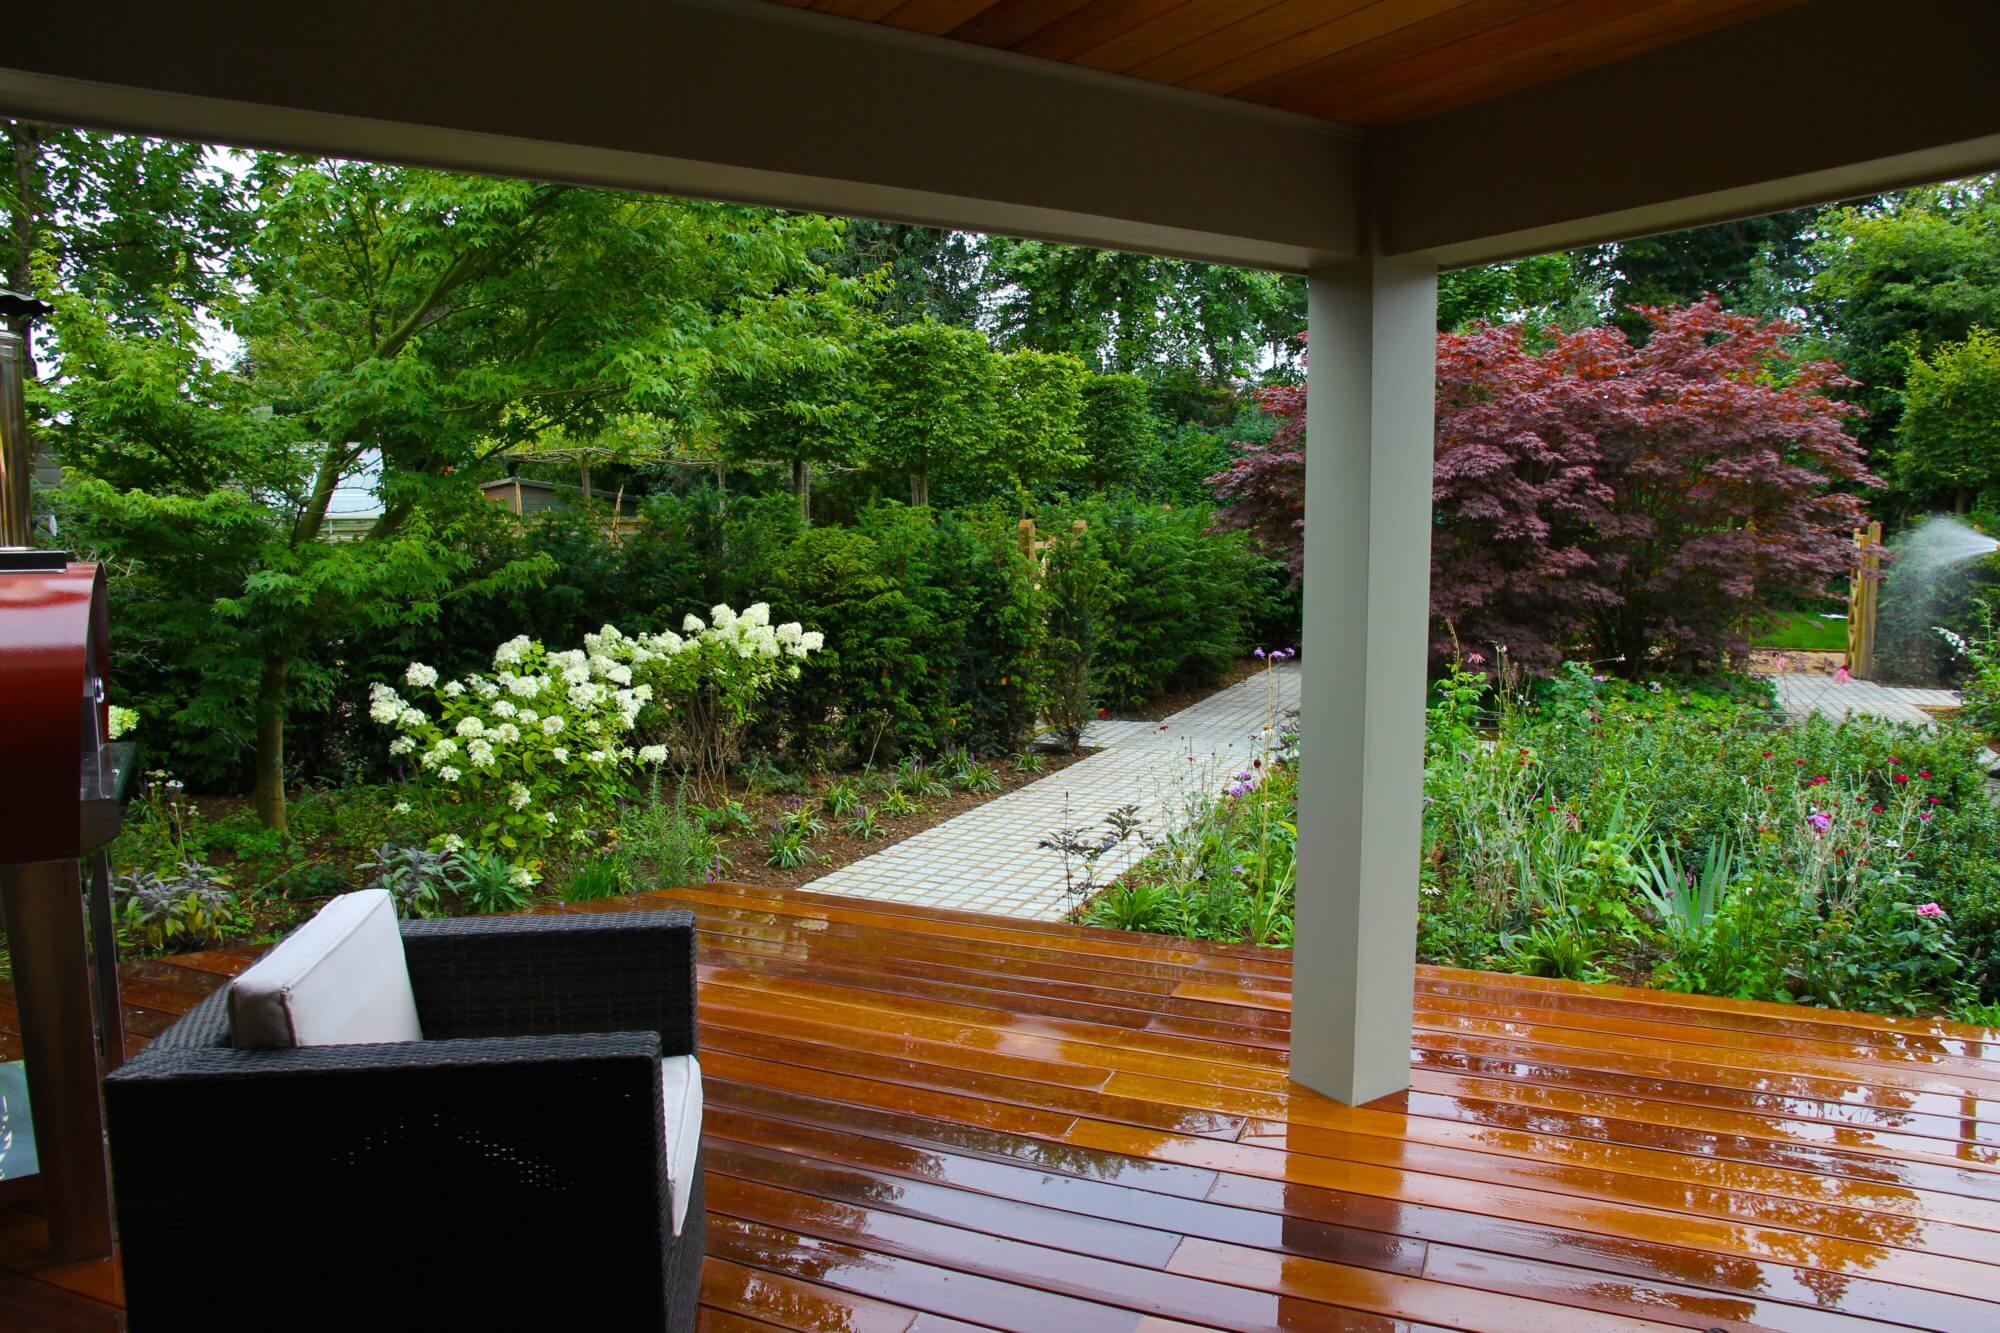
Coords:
pixel 926 1121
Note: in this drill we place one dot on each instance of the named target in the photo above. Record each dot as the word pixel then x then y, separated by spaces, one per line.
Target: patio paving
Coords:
pixel 1801 694
pixel 986 860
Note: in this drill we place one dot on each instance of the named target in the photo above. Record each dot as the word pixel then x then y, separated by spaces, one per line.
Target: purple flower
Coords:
pixel 1258 653
pixel 1820 820
pixel 1237 870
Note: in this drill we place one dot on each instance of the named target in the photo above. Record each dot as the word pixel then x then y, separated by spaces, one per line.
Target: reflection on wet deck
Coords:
pixel 923 1120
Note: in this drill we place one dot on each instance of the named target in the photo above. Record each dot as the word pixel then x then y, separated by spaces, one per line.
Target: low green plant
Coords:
pixel 967 774
pixel 798 817
pixel 190 906
pixel 764 778
pixel 665 839
pixel 788 848
pixel 727 818
pixel 917 779
pixel 896 805
pixel 1028 761
pixel 310 879
pixel 1137 905
pixel 420 880
pixel 493 884
pixel 842 797
pixel 865 824
pixel 599 877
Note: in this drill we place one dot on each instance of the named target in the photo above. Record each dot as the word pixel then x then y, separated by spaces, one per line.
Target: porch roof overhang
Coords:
pixel 771 103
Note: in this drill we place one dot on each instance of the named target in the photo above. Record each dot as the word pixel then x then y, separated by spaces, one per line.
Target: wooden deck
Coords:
pixel 928 1121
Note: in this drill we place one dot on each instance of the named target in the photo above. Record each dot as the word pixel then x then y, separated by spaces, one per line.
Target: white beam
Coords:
pixel 1369 416
pixel 760 103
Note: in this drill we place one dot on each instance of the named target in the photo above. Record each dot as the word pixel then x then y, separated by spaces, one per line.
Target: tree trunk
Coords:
pixel 802 487
pixel 920 488
pixel 270 775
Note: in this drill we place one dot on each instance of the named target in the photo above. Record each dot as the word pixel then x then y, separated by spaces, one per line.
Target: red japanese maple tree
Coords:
pixel 1592 497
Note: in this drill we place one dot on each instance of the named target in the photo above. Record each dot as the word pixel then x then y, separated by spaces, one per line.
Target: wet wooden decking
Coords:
pixel 928 1121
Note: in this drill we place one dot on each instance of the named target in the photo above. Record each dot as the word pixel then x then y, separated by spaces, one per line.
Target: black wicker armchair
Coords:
pixel 508 1171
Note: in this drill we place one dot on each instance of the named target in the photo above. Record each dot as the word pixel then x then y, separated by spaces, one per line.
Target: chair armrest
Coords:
pixel 565 972
pixel 380 1161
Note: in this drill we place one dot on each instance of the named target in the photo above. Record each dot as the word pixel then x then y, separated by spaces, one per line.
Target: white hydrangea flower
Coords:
pixel 452 843
pixel 578 674
pixel 528 717
pixel 599 756
pixel 790 633
pixel 619 675
pixel 512 651
pixel 470 726
pixel 561 754
pixel 721 616
pixel 586 696
pixel 506 733
pixel 757 614
pixel 653 754
pixel 448 773
pixel 552 724
pixel 480 752
pixel 384 704
pixel 411 717
pixel 812 641
pixel 484 688
pixel 402 745
pixel 518 796
pixel 423 677
pixel 400 808
pixel 503 708
pixel 693 624
pixel 453 688
pixel 521 877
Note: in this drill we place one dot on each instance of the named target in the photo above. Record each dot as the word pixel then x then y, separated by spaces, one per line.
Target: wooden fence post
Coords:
pixel 1863 595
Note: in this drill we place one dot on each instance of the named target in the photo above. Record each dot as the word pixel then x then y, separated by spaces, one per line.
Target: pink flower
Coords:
pixel 1841 677
pixel 1475 659
pixel 1820 820
pixel 1930 910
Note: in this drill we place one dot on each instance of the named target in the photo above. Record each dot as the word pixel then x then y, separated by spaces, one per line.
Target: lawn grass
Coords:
pixel 1803 632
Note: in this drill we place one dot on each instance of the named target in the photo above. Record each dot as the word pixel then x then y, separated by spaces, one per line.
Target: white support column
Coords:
pixel 1369 415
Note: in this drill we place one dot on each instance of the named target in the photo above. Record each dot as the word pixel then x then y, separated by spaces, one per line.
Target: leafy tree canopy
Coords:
pixel 1948 440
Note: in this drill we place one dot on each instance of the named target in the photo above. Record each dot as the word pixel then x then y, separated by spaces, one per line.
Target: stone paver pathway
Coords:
pixel 1801 694
pixel 986 860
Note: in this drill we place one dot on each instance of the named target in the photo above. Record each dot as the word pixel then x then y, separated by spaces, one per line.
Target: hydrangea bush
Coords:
pixel 705 682
pixel 544 747
pixel 536 750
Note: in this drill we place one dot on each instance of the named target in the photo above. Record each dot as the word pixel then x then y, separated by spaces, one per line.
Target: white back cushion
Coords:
pixel 680 1084
pixel 337 980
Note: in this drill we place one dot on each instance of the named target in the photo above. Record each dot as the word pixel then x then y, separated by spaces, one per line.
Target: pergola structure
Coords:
pixel 1363 144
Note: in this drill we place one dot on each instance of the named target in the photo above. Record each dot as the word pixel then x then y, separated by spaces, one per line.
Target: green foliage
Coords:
pixel 423 881
pixel 189 906
pixel 1948 441
pixel 1178 599
pixel 1686 839
pixel 492 884
pixel 1900 277
pixel 929 400
pixel 599 877
pixel 664 841
pixel 1120 436
pixel 1076 585
pixel 1037 417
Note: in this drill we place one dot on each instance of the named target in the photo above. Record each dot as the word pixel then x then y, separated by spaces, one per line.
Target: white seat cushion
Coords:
pixel 680 1086
pixel 337 980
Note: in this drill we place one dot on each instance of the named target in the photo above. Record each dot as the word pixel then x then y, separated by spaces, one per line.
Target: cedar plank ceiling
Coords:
pixel 1358 62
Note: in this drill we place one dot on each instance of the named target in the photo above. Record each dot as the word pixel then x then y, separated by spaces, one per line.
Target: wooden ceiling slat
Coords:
pixel 1362 25
pixel 1186 24
pixel 1362 62
pixel 1252 32
pixel 871 10
pixel 936 17
pixel 1067 38
pixel 1012 20
pixel 1544 48
pixel 1391 50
